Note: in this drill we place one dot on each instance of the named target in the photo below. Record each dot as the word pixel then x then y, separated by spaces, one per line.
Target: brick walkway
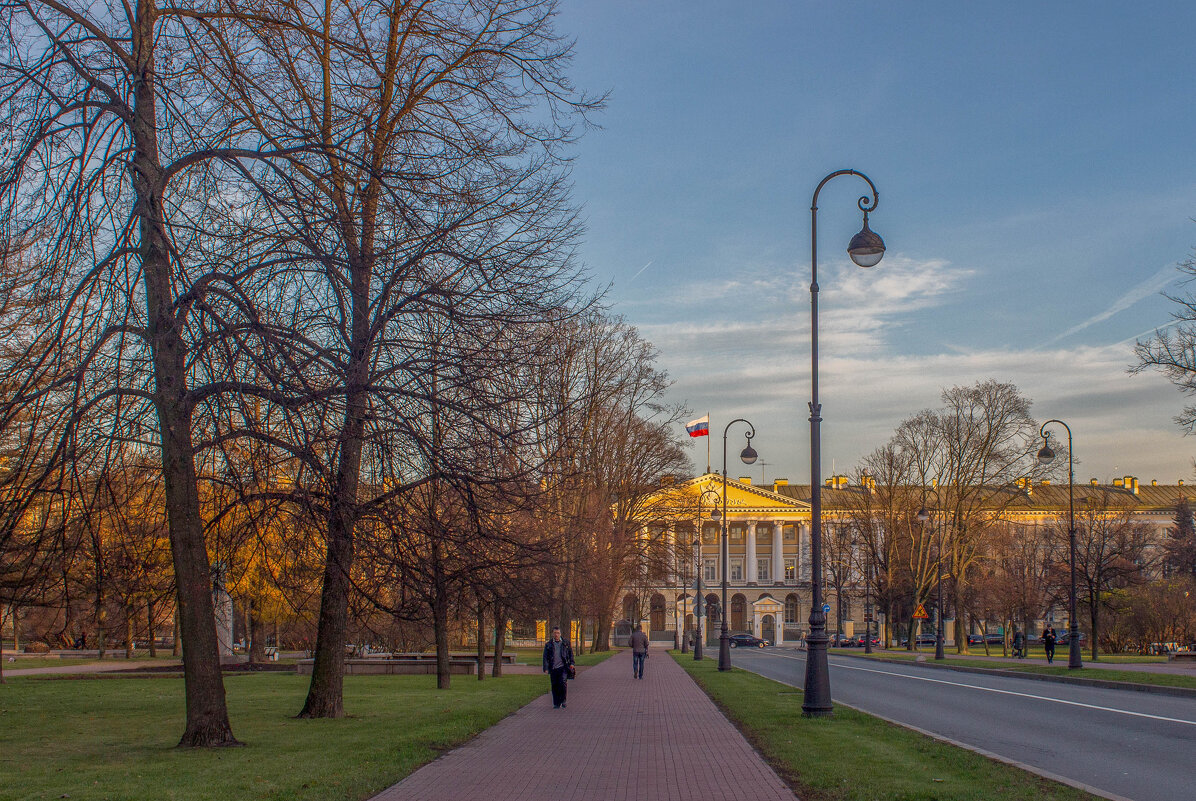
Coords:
pixel 618 739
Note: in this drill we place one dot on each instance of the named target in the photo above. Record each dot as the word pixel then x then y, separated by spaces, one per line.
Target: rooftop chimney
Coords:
pixel 1154 482
pixel 1119 482
pixel 745 479
pixel 1046 482
pixel 780 482
pixel 1133 481
pixel 1094 482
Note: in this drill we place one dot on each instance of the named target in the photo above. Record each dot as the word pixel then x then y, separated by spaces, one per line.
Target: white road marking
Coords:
pixel 1004 692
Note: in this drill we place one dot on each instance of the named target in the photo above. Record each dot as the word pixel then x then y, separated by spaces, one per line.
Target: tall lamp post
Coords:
pixel 924 515
pixel 714 515
pixel 747 456
pixel 866 250
pixel 1046 456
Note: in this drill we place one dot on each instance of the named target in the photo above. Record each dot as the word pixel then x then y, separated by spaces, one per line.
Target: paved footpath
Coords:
pixel 617 739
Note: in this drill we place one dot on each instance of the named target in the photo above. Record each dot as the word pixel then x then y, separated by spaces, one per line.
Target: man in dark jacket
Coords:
pixel 558 663
pixel 639 652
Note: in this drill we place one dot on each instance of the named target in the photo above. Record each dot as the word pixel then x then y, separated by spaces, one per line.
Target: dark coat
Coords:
pixel 566 655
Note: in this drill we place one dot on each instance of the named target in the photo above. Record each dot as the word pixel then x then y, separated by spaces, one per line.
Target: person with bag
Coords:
pixel 558 664
pixel 639 652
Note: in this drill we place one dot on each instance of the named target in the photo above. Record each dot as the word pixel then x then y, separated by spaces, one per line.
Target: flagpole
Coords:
pixel 707 446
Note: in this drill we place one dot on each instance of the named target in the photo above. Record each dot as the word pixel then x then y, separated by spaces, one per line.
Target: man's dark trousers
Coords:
pixel 559 685
pixel 637 665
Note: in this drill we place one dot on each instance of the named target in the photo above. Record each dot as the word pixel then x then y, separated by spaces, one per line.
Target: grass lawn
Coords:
pixel 533 656
pixel 90 739
pixel 856 757
pixel 1058 669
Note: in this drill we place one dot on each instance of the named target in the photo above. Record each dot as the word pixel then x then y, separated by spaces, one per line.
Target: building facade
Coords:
pixel 769 566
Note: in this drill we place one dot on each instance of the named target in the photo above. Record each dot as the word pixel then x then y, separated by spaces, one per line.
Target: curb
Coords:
pixel 1157 689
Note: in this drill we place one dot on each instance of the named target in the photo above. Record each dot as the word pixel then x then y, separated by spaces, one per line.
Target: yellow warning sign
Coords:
pixel 920 613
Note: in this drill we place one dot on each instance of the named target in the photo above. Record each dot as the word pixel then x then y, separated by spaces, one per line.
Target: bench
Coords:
pixel 272 653
pixel 1181 656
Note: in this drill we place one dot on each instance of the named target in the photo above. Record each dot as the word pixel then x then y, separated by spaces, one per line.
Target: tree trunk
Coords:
pixel 500 639
pixel 601 634
pixel 149 623
pixel 130 617
pixel 1094 610
pixel 15 612
pixel 207 712
pixel 176 648
pixel 257 648
pixel 440 605
pixel 481 641
pixel 325 695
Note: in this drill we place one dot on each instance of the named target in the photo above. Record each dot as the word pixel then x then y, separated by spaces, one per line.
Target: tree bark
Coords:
pixel 207 713
pixel 176 648
pixel 130 618
pixel 440 621
pixel 149 624
pixel 257 648
pixel 500 639
pixel 481 641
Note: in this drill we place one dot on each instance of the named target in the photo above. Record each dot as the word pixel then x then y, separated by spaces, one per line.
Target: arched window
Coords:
pixel 712 609
pixel 791 609
pixel 631 608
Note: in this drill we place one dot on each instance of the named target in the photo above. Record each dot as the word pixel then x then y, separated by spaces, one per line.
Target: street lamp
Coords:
pixel 1046 456
pixel 715 516
pixel 866 250
pixel 923 516
pixel 748 456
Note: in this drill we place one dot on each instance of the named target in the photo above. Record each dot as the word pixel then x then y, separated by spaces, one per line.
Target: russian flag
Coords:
pixel 699 427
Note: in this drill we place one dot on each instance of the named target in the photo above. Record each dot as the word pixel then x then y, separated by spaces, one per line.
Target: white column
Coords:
pixel 778 552
pixel 804 571
pixel 750 568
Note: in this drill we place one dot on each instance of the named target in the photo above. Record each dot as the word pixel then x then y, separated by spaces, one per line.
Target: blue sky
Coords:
pixel 1037 172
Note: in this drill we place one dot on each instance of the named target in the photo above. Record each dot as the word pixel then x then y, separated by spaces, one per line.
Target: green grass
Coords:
pixel 533 656
pixel 857 757
pixel 1101 674
pixel 26 662
pixel 90 739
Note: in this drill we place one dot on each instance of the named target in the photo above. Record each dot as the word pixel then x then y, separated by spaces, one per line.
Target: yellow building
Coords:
pixel 769 571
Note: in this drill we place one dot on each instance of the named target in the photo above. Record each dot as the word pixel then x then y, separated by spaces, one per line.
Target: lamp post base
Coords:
pixel 1074 662
pixel 724 651
pixel 698 647
pixel 817 703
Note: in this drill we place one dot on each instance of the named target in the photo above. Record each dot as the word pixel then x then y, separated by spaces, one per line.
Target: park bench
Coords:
pixel 1181 656
pixel 272 653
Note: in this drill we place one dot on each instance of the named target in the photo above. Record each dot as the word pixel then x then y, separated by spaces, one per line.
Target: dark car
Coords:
pixel 860 640
pixel 975 639
pixel 1065 637
pixel 926 639
pixel 746 641
pixel 841 641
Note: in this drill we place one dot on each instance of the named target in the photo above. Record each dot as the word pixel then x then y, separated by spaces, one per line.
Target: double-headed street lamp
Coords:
pixel 866 250
pixel 747 456
pixel 923 516
pixel 1046 456
pixel 698 600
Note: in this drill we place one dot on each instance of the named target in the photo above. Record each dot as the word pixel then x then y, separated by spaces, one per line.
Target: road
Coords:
pixel 1123 743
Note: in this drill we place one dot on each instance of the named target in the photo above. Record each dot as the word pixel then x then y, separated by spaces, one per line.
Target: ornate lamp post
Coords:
pixel 1046 456
pixel 747 456
pixel 715 516
pixel 866 250
pixel 924 515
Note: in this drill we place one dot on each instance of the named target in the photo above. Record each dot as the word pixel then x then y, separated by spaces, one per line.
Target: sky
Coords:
pixel 1037 177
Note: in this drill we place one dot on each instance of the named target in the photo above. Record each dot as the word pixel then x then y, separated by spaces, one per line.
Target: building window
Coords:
pixel 790 533
pixel 736 570
pixel 735 532
pixel 764 533
pixel 709 570
pixel 710 533
pixel 763 570
pixel 790 609
pixel 790 570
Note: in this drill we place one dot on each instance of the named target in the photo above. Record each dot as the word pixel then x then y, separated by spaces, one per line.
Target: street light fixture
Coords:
pixel 699 600
pixel 1045 457
pixel 923 516
pixel 748 456
pixel 866 250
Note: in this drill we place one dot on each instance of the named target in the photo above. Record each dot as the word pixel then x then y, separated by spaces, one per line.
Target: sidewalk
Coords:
pixel 619 739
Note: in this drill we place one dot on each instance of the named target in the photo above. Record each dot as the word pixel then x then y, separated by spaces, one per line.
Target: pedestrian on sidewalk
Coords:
pixel 1019 644
pixel 558 664
pixel 1049 639
pixel 639 652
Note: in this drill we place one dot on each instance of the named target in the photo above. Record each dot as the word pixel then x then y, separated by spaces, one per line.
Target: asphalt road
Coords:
pixel 1130 744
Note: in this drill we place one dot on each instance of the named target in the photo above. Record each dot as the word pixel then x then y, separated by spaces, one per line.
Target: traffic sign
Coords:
pixel 920 613
pixel 826 609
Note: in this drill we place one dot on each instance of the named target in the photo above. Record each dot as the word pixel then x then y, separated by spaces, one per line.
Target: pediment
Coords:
pixel 743 498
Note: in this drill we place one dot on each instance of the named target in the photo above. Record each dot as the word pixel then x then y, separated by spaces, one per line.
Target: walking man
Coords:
pixel 1048 643
pixel 558 664
pixel 639 652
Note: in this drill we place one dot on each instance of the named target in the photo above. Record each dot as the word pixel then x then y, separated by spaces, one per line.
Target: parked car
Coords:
pixel 975 639
pixel 841 641
pixel 926 639
pixel 859 640
pixel 995 639
pixel 1065 637
pixel 746 641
